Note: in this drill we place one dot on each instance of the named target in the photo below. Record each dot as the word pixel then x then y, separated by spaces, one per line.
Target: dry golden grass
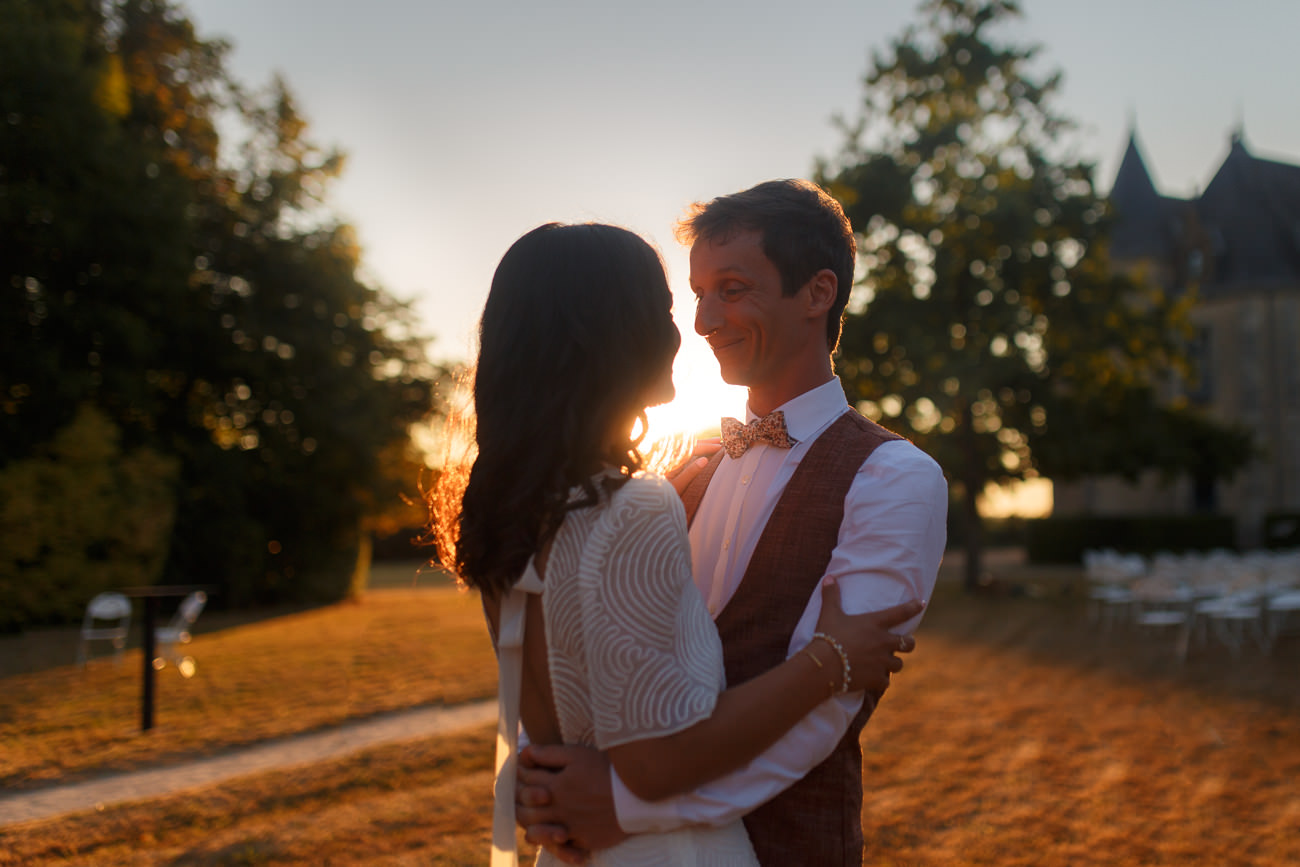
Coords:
pixel 418 803
pixel 1017 735
pixel 291 674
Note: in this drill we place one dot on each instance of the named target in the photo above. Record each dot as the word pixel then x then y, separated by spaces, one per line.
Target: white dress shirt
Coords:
pixel 888 551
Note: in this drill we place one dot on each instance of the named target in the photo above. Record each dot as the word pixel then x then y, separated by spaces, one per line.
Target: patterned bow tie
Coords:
pixel 770 429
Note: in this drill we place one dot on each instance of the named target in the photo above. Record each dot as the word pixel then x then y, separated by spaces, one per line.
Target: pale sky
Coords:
pixel 468 124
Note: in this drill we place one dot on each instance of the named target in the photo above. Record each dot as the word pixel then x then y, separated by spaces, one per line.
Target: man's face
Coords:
pixel 753 329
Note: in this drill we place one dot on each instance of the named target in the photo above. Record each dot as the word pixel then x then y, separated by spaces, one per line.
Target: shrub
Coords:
pixel 1063 540
pixel 80 516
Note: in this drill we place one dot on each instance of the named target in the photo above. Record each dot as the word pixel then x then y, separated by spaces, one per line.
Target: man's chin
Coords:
pixel 732 376
pixel 732 366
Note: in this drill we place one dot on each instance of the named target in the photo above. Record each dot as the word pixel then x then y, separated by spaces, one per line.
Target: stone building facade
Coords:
pixel 1238 245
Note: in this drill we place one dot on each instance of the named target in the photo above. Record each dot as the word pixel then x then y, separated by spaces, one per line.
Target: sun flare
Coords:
pixel 701 402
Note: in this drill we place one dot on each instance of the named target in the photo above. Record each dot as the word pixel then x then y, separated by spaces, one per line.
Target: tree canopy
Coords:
pixel 194 291
pixel 989 324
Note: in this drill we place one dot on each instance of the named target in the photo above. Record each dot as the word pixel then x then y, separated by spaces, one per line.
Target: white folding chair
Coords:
pixel 1232 617
pixel 169 638
pixel 1277 610
pixel 108 618
pixel 1110 577
pixel 1162 604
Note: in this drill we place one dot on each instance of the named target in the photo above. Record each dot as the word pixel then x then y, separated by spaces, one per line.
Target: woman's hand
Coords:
pixel 685 473
pixel 865 639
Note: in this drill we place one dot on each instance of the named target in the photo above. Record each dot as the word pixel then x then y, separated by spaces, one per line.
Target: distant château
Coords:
pixel 1237 245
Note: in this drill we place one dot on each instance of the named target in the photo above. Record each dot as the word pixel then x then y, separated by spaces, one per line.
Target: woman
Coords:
pixel 586 570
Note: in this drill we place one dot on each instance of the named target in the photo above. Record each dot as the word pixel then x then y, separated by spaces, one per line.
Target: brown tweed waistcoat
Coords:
pixel 817 821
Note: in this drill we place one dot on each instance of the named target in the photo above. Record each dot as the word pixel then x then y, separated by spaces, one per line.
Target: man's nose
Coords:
pixel 707 317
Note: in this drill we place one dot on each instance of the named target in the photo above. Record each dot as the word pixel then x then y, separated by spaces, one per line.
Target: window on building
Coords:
pixel 1200 351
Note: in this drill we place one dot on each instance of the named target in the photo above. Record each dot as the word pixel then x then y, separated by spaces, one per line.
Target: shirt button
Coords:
pixel 726 543
pixel 745 480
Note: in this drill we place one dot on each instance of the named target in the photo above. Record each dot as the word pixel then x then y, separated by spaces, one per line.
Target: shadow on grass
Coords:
pixel 259 850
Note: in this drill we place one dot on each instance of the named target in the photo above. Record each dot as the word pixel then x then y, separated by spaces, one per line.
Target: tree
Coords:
pixel 94 244
pixel 308 373
pixel 95 240
pixel 193 288
pixel 988 323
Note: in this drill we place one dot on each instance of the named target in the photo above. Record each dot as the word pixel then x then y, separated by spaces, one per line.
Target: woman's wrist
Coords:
pixel 846 670
pixel 823 670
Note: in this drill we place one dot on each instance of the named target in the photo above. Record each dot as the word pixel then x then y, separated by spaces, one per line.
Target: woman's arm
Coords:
pixel 648 648
pixel 752 716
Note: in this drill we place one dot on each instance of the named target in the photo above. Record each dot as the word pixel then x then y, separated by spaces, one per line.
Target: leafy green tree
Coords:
pixel 94 246
pixel 307 373
pixel 988 324
pixel 94 231
pixel 195 290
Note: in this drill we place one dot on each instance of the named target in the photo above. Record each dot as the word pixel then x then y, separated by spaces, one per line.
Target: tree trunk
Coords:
pixel 974 536
pixel 973 482
pixel 359 582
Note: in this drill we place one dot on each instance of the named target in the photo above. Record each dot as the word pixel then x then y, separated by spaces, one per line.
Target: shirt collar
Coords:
pixel 811 411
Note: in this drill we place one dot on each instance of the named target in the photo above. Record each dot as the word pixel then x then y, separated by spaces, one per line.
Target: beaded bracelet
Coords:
pixel 844 659
pixel 817 662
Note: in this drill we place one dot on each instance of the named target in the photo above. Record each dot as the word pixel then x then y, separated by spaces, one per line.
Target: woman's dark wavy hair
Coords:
pixel 576 331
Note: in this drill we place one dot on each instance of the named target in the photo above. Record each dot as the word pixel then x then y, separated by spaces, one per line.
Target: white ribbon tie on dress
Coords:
pixel 510 643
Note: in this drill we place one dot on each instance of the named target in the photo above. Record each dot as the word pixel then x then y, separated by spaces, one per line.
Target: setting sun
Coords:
pixel 1031 498
pixel 702 397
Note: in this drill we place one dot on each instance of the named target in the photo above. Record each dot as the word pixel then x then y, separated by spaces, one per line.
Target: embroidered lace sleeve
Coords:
pixel 653 655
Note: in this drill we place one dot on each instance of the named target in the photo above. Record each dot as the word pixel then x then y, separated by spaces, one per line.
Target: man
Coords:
pixel 809 489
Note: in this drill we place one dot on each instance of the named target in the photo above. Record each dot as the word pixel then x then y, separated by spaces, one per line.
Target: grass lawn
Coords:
pixel 1018 734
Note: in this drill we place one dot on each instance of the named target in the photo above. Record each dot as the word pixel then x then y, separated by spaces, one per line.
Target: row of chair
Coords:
pixel 1233 596
pixel 108 618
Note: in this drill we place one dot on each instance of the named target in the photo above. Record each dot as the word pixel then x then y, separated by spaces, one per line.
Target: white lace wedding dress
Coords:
pixel 633 653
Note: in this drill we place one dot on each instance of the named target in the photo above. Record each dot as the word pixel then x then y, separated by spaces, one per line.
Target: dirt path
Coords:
pixel 299 750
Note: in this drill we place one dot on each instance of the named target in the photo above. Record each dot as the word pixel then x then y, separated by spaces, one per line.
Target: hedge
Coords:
pixel 1063 540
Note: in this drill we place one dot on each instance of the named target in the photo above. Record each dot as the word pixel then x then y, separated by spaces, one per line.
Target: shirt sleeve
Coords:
pixel 654 661
pixel 888 552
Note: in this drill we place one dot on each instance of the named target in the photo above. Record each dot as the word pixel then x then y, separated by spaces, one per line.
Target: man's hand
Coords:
pixel 684 474
pixel 564 801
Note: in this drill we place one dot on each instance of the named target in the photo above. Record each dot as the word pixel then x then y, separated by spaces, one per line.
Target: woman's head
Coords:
pixel 576 339
pixel 578 316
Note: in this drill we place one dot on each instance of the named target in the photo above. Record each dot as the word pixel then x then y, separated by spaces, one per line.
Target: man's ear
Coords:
pixel 822 289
